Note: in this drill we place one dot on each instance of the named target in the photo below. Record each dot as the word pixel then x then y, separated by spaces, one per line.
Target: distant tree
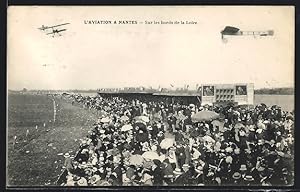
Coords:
pixel 275 91
pixel 24 89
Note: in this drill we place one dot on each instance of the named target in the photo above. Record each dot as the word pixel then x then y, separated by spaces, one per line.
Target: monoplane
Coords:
pixel 233 31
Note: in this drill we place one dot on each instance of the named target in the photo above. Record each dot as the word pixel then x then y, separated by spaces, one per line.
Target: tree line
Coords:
pixel 275 91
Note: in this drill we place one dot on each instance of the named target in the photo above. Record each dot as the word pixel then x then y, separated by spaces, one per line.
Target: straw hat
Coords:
pixel 202 163
pixel 242 133
pixel 218 180
pixel 228 159
pixel 66 155
pixel 153 148
pixel 248 178
pixel 84 151
pixel 210 173
pixel 259 130
pixel 168 176
pixel 237 151
pixel 177 171
pixel 147 177
pixel 285 171
pixel 229 149
pixel 82 182
pixel 272 142
pixel 251 128
pixel 260 168
pixel 199 169
pixel 236 175
pixel 95 178
pixel 243 168
pixel 260 142
pixel 102 131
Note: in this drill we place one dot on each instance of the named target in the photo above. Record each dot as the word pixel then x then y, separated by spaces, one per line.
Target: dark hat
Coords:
pixel 76 178
pixel 166 160
pixel 110 146
pixel 110 157
pixel 157 162
pixel 289 117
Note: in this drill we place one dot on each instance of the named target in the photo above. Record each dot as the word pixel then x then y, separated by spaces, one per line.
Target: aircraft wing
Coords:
pixel 50 33
pixel 43 28
pixel 230 30
pixel 58 25
pixel 61 30
pixel 56 31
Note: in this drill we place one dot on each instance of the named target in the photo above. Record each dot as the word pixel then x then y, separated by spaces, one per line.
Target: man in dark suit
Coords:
pixel 157 173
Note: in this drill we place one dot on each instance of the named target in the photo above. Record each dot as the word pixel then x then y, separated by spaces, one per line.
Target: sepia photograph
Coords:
pixel 117 96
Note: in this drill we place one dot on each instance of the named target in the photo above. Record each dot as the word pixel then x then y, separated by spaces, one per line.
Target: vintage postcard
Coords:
pixel 150 96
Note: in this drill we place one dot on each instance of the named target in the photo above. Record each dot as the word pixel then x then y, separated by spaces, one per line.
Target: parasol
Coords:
pixel 136 160
pixel 260 125
pixel 239 125
pixel 124 118
pixel 167 143
pixel 150 155
pixel 205 116
pixel 208 139
pixel 126 127
pixel 142 118
pixel 105 120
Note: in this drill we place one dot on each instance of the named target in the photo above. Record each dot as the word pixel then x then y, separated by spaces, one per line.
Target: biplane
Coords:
pixel 233 31
pixel 54 28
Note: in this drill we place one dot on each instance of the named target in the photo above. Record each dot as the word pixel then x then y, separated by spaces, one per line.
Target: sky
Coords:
pixel 91 56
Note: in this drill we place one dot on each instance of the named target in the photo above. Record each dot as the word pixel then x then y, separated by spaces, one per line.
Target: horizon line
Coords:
pixel 97 89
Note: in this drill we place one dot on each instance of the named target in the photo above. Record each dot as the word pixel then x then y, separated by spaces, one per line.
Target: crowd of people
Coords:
pixel 148 142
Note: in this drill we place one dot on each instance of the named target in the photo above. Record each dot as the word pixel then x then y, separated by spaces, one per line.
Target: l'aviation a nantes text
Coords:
pixel 136 22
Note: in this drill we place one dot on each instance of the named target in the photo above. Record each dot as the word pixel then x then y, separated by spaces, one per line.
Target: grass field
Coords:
pixel 34 160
